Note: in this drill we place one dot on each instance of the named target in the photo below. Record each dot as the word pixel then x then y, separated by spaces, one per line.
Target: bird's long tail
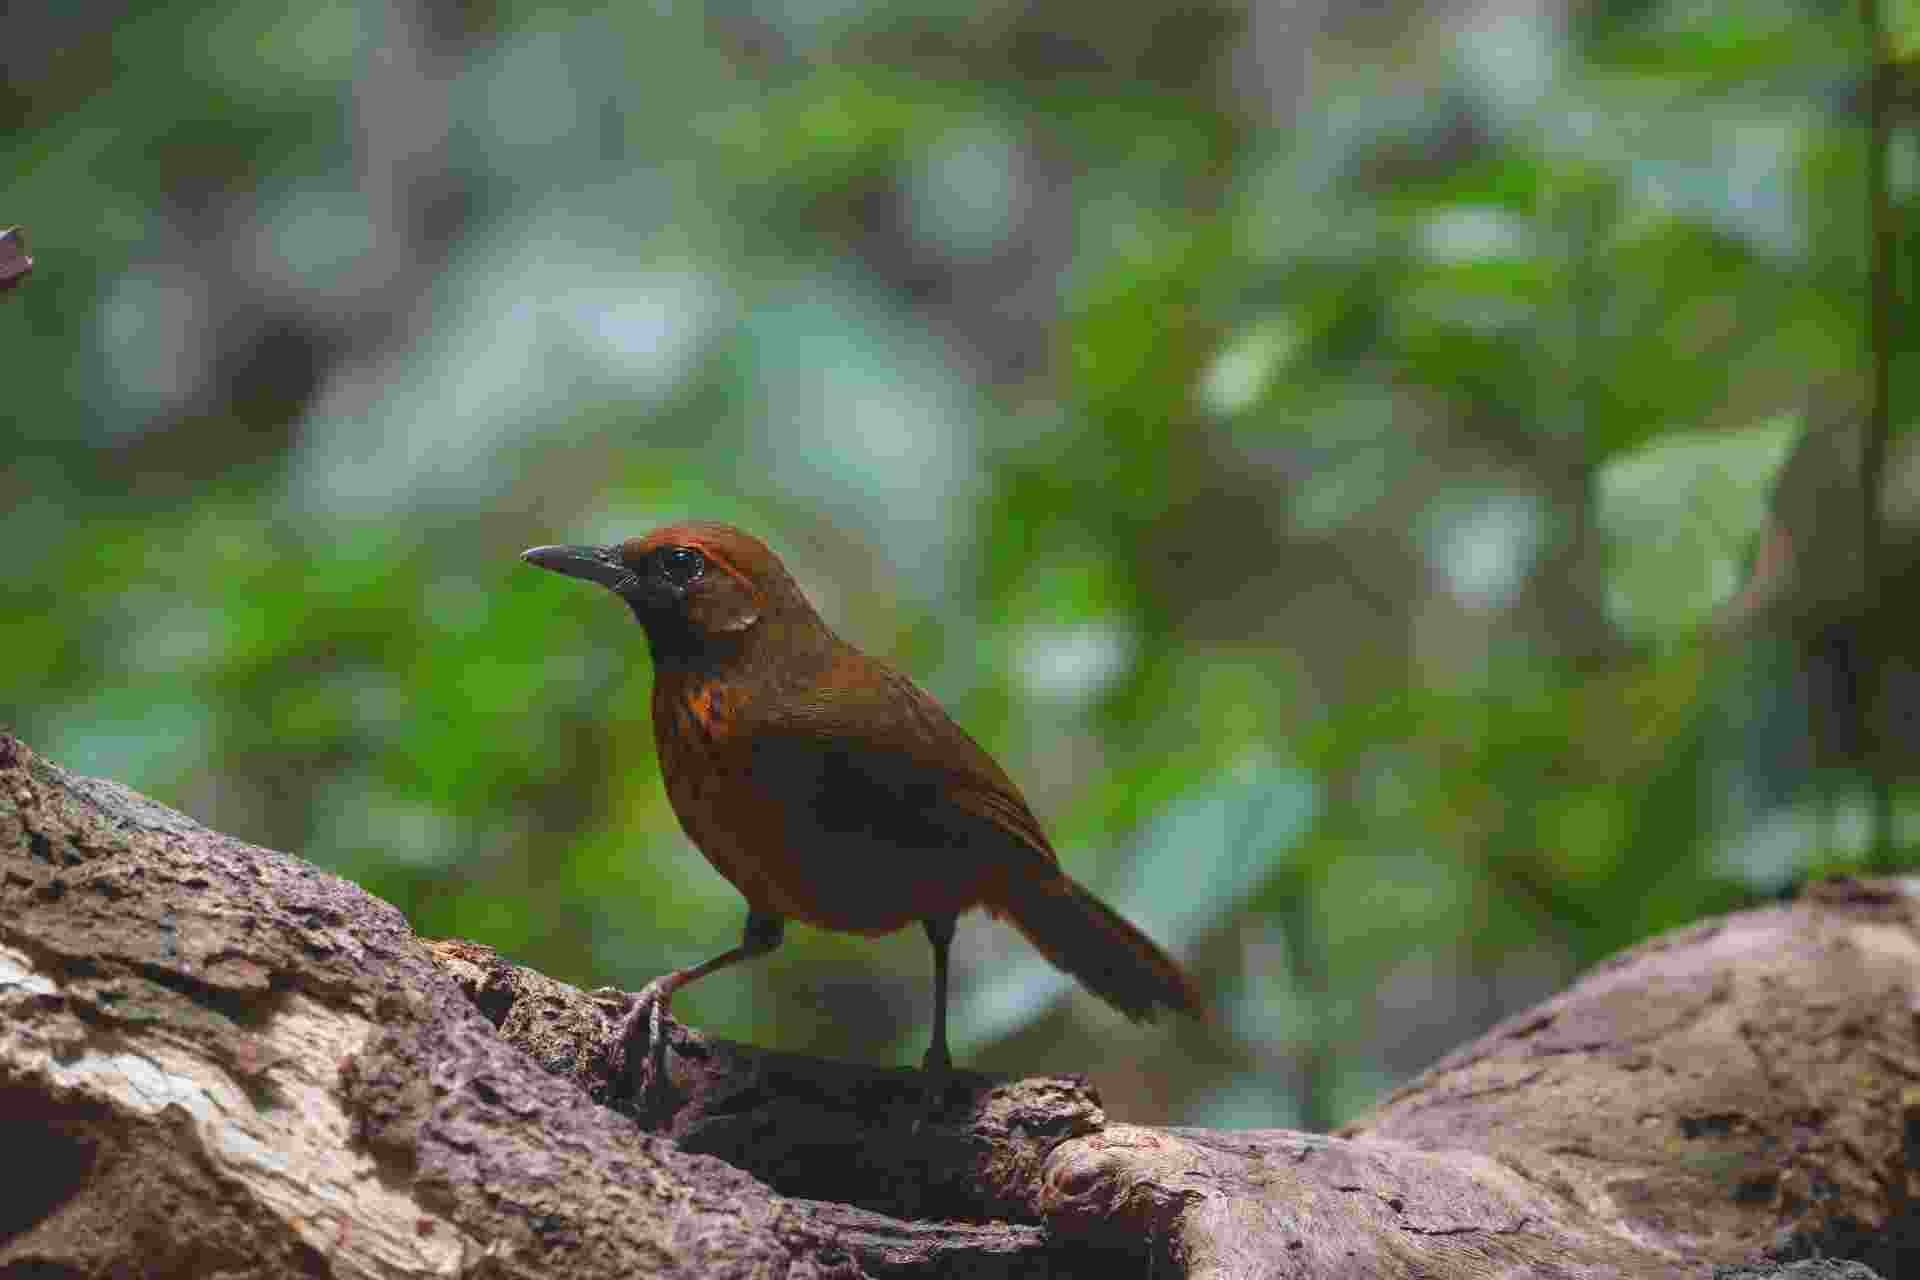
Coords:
pixel 1090 940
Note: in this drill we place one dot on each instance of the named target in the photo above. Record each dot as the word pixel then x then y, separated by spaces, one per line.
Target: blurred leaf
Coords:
pixel 1679 515
pixel 1902 19
pixel 1202 857
pixel 1243 369
pixel 1191 868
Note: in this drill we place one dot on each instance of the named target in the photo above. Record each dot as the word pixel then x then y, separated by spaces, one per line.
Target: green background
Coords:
pixel 1321 450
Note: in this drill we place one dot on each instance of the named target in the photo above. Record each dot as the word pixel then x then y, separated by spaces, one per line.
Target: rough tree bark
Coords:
pixel 216 1060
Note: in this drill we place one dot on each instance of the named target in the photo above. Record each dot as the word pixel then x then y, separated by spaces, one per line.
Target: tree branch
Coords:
pixel 223 1061
pixel 1881 232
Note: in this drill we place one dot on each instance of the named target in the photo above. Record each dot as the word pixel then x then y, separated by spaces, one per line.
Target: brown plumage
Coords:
pixel 830 788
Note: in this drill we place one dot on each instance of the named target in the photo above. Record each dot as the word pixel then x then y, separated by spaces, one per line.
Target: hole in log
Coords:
pixel 53 1141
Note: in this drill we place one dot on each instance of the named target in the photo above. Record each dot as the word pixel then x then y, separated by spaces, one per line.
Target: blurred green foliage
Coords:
pixel 1323 453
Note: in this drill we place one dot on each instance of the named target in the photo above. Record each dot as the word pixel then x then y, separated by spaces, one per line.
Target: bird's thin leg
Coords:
pixel 940 934
pixel 761 935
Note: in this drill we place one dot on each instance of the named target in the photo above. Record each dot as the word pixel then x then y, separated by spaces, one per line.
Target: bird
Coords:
pixel 831 789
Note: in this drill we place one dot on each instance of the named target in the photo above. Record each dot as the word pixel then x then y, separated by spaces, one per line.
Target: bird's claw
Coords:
pixel 650 1004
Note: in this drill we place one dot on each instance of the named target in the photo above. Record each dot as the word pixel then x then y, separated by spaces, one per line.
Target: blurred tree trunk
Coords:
pixel 216 1060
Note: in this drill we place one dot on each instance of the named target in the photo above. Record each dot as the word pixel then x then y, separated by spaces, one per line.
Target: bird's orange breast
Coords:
pixel 704 770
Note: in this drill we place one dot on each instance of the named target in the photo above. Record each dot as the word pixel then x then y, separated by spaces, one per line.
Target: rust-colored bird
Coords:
pixel 830 788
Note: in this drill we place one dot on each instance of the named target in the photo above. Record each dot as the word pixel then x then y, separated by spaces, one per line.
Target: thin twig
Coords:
pixel 1873 445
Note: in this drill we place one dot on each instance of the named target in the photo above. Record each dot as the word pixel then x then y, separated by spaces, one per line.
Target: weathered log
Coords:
pixel 216 1060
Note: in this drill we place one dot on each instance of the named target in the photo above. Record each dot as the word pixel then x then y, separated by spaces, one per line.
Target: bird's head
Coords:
pixel 697 587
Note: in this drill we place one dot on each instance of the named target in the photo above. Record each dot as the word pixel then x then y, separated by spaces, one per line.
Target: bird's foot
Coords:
pixel 937 1077
pixel 643 1022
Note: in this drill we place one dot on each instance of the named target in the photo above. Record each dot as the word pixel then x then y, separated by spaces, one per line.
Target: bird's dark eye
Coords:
pixel 681 565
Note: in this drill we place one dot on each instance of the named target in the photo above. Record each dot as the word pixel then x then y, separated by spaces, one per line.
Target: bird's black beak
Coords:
pixel 595 564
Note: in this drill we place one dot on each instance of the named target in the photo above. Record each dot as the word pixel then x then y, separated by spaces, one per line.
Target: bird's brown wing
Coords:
pixel 893 813
pixel 876 782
